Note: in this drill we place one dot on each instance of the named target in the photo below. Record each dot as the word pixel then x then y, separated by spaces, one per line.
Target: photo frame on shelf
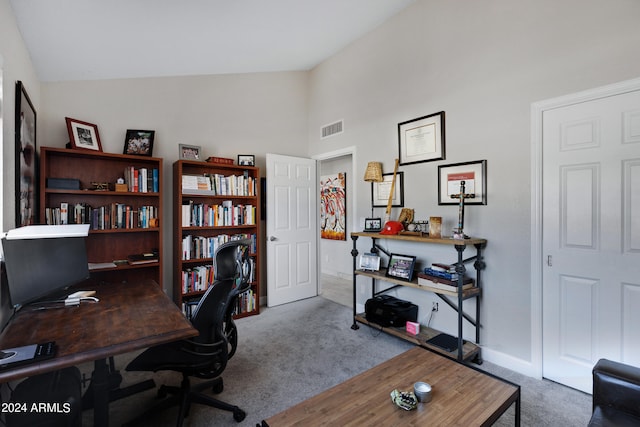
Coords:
pixel 189 152
pixel 246 160
pixel 380 191
pixel 369 262
pixel 401 267
pixel 27 185
pixel 373 224
pixel 83 135
pixel 474 175
pixel 139 142
pixel 422 139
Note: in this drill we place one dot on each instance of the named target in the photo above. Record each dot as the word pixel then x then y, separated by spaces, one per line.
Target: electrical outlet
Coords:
pixel 435 306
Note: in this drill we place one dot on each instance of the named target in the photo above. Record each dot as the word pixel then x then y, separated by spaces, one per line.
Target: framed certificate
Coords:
pixel 450 178
pixel 422 139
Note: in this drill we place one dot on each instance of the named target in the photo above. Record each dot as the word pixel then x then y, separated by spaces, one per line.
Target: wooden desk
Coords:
pixel 128 317
pixel 461 395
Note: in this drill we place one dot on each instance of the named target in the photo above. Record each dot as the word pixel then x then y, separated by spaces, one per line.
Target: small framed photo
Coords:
pixel 246 160
pixel 422 139
pixel 401 267
pixel 139 142
pixel 373 224
pixel 370 262
pixel 380 191
pixel 83 135
pixel 451 177
pixel 190 152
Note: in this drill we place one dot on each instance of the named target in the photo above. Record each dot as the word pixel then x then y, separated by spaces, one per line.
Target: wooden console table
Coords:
pixel 461 395
pixel 466 350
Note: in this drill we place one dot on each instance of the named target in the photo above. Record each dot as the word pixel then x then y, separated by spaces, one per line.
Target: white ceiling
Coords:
pixel 106 39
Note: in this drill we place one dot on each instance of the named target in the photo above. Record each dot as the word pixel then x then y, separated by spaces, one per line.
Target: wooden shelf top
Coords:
pixel 422 239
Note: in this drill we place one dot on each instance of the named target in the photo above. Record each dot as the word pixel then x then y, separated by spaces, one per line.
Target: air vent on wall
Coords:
pixel 332 129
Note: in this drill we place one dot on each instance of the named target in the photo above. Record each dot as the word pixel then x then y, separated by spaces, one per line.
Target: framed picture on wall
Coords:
pixel 474 176
pixel 333 206
pixel 422 139
pixel 380 191
pixel 26 158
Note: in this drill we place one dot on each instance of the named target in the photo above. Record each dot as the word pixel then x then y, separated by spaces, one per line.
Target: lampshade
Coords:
pixel 373 172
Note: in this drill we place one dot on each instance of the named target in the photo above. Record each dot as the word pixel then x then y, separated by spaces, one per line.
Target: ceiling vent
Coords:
pixel 332 129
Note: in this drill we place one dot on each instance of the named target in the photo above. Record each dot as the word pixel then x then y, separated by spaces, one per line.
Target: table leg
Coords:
pixel 100 383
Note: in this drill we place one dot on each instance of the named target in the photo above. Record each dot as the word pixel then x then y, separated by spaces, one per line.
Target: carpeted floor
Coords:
pixel 292 352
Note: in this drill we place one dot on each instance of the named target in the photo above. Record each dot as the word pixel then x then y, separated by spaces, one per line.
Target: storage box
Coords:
pixel 413 328
pixel 63 183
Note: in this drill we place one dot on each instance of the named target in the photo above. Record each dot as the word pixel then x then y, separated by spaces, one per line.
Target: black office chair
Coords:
pixel 206 355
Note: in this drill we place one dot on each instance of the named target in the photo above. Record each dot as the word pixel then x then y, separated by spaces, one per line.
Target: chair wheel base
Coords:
pixel 239 415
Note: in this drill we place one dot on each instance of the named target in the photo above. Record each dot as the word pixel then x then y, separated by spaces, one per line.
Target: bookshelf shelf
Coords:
pixel 107 241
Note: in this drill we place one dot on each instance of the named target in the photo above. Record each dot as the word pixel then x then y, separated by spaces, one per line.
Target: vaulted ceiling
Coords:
pixel 106 39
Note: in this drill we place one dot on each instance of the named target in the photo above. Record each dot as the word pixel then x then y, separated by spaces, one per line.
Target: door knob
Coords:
pixel 272 238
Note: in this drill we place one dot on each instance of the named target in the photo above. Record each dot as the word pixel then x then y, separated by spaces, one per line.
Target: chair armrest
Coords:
pixel 616 385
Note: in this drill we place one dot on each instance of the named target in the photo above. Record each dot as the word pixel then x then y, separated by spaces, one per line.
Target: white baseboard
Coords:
pixel 520 366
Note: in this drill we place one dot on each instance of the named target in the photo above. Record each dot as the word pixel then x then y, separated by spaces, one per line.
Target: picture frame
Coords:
pixel 372 224
pixel 450 177
pixel 380 191
pixel 401 267
pixel 26 157
pixel 369 262
pixel 246 160
pixel 83 135
pixel 139 142
pixel 190 152
pixel 333 206
pixel 422 139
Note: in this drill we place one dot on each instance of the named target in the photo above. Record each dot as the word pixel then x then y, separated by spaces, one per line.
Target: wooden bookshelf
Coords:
pixel 111 238
pixel 200 225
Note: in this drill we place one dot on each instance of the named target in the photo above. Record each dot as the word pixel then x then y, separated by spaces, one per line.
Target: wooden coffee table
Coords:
pixel 461 395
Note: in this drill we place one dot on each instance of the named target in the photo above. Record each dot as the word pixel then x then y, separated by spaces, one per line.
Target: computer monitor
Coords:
pixel 43 260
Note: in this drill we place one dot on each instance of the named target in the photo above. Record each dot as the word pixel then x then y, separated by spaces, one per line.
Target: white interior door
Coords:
pixel 591 236
pixel 292 232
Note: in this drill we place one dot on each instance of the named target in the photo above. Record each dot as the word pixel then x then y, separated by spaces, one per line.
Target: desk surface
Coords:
pixel 128 317
pixel 461 395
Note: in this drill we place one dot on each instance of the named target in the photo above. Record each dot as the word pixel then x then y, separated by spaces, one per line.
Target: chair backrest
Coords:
pixel 232 261
pixel 230 278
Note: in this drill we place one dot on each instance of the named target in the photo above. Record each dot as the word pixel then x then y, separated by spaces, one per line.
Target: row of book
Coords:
pixel 199 247
pixel 199 278
pixel 245 303
pixel 443 276
pixel 142 180
pixel 223 215
pixel 219 185
pixel 107 217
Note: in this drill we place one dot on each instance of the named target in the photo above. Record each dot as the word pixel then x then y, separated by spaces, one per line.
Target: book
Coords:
pixel 144 258
pixel 441 274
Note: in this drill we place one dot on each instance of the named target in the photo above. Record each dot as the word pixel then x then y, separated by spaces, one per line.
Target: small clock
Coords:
pixel 373 224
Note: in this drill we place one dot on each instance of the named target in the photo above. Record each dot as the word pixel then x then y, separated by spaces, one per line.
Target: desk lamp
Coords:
pixel 372 174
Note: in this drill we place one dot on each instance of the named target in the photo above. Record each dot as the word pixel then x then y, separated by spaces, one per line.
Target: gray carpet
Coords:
pixel 292 352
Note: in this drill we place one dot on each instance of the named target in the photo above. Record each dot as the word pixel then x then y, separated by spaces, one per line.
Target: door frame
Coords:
pixel 537 257
pixel 346 151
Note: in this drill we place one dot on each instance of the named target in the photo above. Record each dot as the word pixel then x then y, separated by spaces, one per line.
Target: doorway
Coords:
pixel 335 261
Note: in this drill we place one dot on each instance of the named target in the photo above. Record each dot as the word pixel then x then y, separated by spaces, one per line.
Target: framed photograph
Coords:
pixel 190 152
pixel 83 135
pixel 139 142
pixel 246 160
pixel 422 139
pixel 474 176
pixel 401 267
pixel 370 262
pixel 26 158
pixel 373 224
pixel 380 191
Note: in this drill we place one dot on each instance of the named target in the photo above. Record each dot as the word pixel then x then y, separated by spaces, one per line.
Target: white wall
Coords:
pixel 226 115
pixel 16 65
pixel 483 63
